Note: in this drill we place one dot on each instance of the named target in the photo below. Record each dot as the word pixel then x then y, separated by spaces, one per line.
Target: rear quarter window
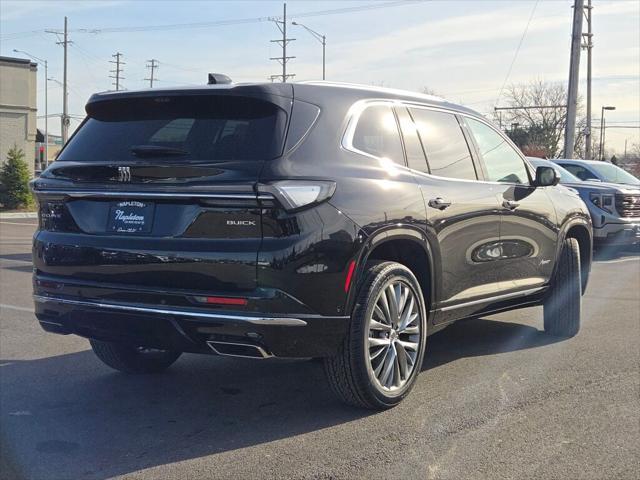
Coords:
pixel 377 134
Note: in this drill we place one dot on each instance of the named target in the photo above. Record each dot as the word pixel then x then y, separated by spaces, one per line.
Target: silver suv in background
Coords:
pixel 614 207
pixel 592 170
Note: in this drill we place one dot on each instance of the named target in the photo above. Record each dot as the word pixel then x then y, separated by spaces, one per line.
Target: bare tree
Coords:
pixel 631 161
pixel 430 91
pixel 539 110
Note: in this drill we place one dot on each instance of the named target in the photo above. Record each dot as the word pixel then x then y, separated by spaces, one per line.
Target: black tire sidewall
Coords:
pixel 562 307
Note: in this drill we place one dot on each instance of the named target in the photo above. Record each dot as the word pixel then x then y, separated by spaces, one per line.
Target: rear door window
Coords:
pixel 199 128
pixel 447 151
pixel 377 134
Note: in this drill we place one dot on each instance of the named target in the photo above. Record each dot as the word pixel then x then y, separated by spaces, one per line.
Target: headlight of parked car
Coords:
pixel 604 201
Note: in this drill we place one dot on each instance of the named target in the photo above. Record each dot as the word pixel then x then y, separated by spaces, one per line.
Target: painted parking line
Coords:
pixel 10 260
pixel 17 223
pixel 619 260
pixel 4 306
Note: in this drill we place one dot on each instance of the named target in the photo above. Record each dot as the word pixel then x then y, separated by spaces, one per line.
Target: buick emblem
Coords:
pixel 124 174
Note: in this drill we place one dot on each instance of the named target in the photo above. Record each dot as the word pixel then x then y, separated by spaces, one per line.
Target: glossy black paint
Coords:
pixel 215 234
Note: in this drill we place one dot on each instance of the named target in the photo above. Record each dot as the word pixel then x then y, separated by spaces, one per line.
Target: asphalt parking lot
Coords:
pixel 496 399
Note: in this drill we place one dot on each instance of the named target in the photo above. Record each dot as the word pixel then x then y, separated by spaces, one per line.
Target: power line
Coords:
pixel 181 67
pixel 219 23
pixel 515 56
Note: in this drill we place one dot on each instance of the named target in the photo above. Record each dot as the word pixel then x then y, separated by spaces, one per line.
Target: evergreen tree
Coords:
pixel 14 177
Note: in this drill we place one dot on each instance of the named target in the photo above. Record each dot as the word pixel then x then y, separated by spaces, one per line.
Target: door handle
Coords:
pixel 510 204
pixel 439 203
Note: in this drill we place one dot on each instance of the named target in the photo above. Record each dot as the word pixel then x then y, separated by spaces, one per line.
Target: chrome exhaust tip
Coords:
pixel 235 349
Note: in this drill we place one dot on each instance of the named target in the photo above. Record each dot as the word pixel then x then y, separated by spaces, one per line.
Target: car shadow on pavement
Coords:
pixel 20 257
pixel 478 337
pixel 69 416
pixel 614 252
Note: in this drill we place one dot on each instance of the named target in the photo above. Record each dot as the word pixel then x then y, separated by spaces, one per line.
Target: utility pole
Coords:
pixel 282 26
pixel 625 148
pixel 64 118
pixel 65 89
pixel 46 115
pixel 153 64
pixel 588 46
pixel 118 71
pixel 574 74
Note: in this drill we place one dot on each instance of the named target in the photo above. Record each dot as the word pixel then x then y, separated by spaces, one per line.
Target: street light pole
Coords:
pixel 46 104
pixel 324 56
pixel 601 149
pixel 322 39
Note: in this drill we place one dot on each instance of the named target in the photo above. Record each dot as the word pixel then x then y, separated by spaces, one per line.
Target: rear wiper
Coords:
pixel 156 151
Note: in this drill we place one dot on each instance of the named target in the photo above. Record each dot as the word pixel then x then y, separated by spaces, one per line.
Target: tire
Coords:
pixel 359 374
pixel 131 359
pixel 563 304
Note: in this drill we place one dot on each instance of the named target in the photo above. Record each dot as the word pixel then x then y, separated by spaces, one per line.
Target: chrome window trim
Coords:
pixel 355 111
pixel 139 194
pixel 354 114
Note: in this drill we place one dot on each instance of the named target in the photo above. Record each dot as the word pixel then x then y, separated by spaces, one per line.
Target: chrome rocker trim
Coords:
pixel 497 298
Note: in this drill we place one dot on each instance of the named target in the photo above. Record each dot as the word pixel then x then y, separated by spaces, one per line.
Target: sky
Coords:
pixel 464 50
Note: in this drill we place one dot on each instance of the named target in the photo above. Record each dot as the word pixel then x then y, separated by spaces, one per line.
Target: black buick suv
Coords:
pixel 298 220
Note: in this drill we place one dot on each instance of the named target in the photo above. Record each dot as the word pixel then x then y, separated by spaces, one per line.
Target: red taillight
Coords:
pixel 222 300
pixel 350 270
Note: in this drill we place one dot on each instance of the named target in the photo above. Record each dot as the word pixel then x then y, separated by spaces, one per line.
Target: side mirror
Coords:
pixel 546 177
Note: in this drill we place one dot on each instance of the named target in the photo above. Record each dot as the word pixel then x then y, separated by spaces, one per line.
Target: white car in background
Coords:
pixel 593 170
pixel 614 207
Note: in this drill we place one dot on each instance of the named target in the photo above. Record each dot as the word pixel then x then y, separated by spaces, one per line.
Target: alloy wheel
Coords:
pixel 394 335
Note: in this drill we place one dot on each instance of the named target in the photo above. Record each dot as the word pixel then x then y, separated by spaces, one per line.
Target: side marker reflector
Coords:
pixel 347 282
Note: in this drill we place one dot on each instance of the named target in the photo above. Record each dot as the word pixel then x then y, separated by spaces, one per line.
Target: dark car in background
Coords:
pixel 298 220
pixel 614 207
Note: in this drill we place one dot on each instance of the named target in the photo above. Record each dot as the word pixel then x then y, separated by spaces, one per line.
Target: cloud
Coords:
pixel 616 8
pixel 14 10
pixel 428 39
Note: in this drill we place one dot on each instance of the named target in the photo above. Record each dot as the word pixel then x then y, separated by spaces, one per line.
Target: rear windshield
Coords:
pixel 181 128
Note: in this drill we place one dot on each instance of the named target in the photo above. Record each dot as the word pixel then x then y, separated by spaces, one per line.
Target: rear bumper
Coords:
pixel 189 329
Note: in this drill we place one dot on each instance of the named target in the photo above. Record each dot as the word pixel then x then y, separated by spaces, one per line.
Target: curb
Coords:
pixel 7 215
